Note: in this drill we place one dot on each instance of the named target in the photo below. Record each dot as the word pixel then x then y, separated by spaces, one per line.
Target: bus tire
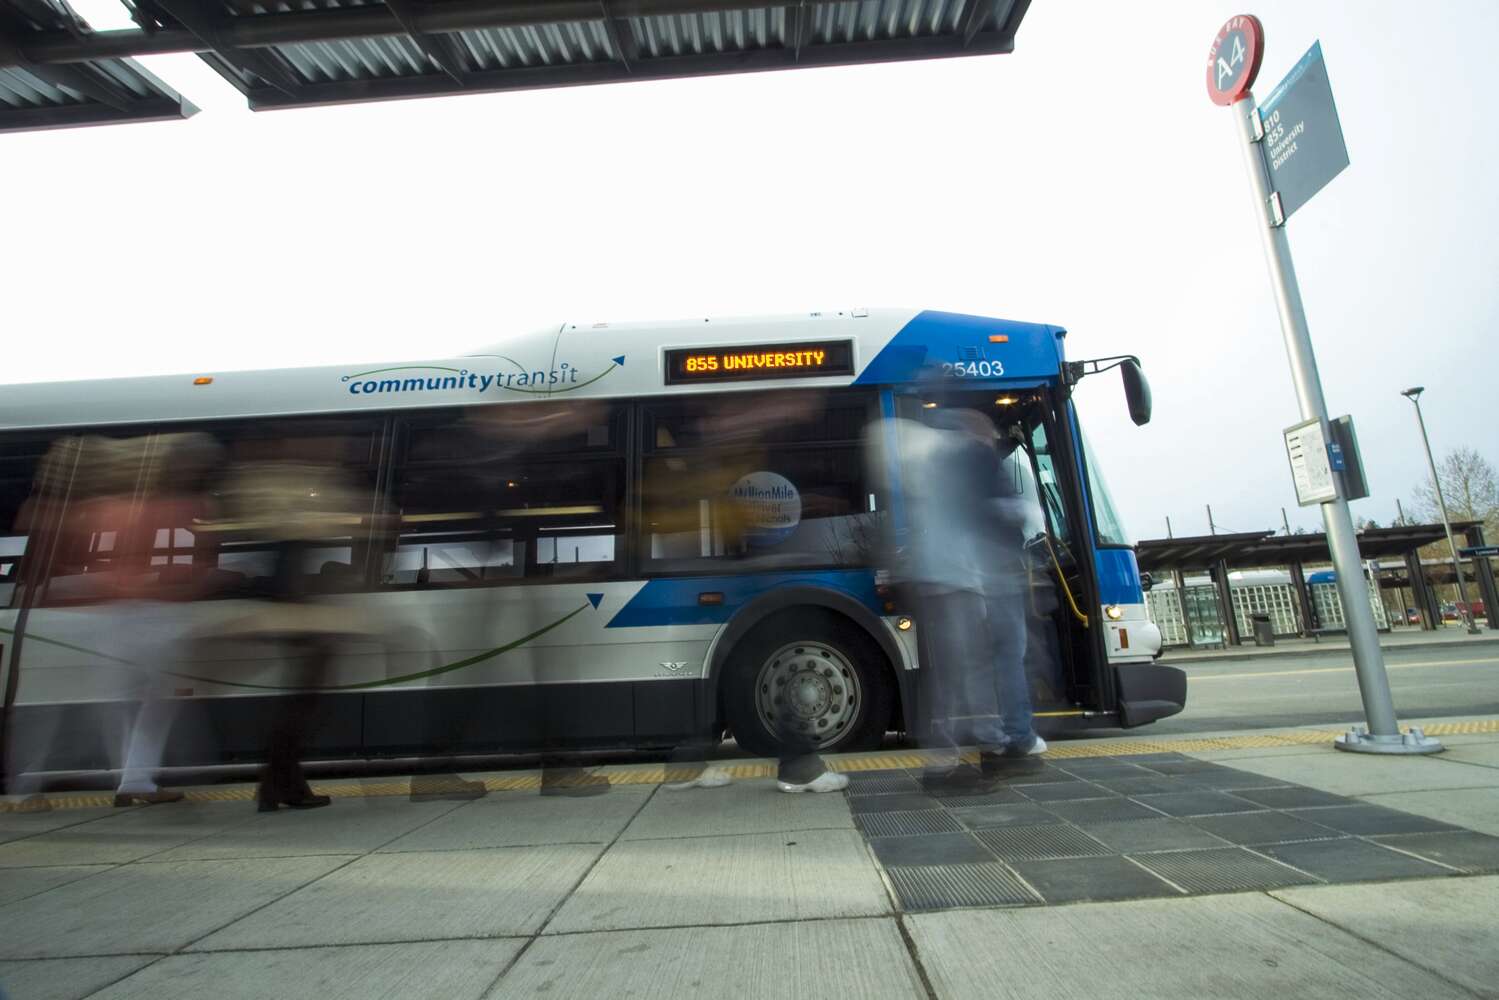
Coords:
pixel 814 669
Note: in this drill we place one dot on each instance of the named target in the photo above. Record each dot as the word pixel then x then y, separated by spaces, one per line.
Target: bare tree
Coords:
pixel 1470 487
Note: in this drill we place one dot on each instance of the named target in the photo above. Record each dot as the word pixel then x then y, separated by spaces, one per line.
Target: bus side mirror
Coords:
pixel 1136 391
pixel 1146 582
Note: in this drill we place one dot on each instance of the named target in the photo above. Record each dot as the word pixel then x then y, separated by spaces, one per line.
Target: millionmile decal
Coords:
pixel 511 376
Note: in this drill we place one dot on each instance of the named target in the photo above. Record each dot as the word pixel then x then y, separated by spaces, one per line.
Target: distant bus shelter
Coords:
pixel 1220 609
pixel 55 71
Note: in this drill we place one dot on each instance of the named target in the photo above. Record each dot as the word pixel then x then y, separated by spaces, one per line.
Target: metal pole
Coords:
pixel 1383 734
pixel 1168 527
pixel 1463 607
pixel 1285 520
pixel 1399 513
pixel 1212 528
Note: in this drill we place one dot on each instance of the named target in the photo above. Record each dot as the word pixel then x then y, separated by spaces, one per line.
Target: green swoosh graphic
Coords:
pixel 445 668
pixel 401 368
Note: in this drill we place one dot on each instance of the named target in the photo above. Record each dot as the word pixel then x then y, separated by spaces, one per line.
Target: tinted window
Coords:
pixel 502 493
pixel 768 479
pixel 20 460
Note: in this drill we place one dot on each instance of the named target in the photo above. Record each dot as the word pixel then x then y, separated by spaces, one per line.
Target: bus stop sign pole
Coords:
pixel 1233 63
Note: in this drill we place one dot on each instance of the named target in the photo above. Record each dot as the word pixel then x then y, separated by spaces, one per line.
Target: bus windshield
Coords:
pixel 1105 515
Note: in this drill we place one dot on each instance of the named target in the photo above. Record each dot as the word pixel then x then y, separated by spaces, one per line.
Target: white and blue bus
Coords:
pixel 594 536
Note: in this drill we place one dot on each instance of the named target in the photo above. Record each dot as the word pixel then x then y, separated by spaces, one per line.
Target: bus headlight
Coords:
pixel 904 624
pixel 1113 612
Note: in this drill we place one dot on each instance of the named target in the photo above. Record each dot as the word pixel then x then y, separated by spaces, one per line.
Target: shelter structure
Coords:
pixel 1219 555
pixel 104 90
pixel 56 71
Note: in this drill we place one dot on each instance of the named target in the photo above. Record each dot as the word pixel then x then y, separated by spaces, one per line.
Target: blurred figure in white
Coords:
pixel 169 491
pixel 963 558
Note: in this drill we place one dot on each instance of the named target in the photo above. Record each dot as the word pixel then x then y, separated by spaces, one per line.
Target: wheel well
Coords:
pixel 836 619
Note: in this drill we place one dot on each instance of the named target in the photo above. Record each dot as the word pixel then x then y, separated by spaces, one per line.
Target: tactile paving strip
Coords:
pixel 908 824
pixel 1228 869
pixel 938 887
pixel 882 784
pixel 1132 750
pixel 1033 843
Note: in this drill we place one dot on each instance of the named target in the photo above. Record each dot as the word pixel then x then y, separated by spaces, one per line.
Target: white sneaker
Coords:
pixel 827 781
pixel 1038 748
pixel 712 777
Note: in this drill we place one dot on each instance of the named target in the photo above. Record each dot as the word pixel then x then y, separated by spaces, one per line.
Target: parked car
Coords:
pixel 1412 616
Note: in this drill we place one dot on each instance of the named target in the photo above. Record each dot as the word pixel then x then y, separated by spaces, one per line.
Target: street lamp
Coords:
pixel 1464 608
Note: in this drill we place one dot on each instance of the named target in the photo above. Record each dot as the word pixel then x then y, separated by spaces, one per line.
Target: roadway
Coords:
pixel 1319 688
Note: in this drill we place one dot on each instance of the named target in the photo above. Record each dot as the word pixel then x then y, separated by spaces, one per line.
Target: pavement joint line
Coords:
pixel 631 774
pixel 831 918
pixel 541 927
pixel 915 955
pixel 1417 791
pixel 1368 940
pixel 182 948
pixel 1185 892
pixel 342 944
pixel 760 833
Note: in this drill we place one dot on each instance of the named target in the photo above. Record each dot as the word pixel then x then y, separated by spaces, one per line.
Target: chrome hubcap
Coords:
pixel 809 688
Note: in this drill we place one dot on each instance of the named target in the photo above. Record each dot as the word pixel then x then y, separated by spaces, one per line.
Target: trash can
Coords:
pixel 1264 632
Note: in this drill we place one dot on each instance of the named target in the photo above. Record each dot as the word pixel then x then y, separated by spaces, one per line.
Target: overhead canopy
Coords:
pixel 288 53
pixel 1264 548
pixel 89 91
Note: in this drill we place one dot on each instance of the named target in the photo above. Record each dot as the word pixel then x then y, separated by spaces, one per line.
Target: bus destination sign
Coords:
pixel 745 363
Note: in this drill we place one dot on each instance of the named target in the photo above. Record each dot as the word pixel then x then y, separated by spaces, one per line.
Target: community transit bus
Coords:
pixel 595 536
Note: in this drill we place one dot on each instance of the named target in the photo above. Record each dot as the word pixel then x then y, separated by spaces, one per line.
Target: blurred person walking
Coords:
pixel 97 516
pixel 170 497
pixel 963 559
pixel 292 505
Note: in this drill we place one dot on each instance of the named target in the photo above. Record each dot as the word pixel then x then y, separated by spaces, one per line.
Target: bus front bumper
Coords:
pixel 1149 691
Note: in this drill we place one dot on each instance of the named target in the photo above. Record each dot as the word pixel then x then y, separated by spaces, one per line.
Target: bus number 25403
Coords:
pixel 979 369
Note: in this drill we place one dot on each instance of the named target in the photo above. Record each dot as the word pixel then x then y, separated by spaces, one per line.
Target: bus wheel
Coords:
pixel 813 673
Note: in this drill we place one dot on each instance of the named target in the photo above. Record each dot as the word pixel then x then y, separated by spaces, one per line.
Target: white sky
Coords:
pixel 1085 180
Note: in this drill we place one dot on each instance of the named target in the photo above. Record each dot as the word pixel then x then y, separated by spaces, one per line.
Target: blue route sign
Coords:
pixel 1481 550
pixel 1303 145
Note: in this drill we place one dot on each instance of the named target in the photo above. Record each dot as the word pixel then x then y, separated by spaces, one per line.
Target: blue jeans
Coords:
pixel 1005 617
pixel 978 689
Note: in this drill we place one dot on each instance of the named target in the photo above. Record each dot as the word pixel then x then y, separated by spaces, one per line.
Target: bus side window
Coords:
pixel 501 493
pixel 771 479
pixel 20 458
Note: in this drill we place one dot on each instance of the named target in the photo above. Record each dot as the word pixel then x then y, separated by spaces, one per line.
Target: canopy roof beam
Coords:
pixel 268 66
pixel 439 48
pixel 370 21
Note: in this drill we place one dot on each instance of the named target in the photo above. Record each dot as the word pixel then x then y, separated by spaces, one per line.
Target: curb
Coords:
pixel 1169 660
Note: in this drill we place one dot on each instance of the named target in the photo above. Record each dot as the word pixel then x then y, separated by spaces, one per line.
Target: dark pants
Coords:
pixel 294 719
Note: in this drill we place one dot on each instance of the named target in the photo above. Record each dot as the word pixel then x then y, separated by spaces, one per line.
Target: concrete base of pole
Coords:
pixel 1413 741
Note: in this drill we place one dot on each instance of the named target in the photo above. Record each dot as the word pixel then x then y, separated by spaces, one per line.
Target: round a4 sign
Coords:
pixel 1234 59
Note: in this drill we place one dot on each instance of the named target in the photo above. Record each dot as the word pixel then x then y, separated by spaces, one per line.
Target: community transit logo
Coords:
pixel 509 376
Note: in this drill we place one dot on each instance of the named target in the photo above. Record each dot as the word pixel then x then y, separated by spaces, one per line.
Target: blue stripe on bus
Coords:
pixel 674 601
pixel 932 338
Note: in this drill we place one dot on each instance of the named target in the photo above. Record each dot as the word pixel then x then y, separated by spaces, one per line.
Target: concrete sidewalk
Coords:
pixel 746 892
pixel 1400 640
